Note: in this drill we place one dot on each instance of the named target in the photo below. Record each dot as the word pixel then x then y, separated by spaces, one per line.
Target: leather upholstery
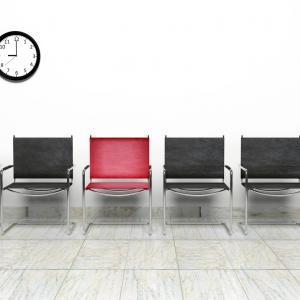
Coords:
pixel 38 185
pixel 194 157
pixel 42 157
pixel 119 157
pixel 271 157
pixel 196 185
pixel 118 185
pixel 274 185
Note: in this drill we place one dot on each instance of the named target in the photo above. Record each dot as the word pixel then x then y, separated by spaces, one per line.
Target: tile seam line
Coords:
pixel 68 270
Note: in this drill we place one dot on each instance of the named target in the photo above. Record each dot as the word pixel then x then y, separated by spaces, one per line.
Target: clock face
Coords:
pixel 19 56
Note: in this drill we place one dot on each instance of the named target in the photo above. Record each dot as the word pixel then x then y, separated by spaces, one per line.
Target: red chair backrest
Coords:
pixel 119 157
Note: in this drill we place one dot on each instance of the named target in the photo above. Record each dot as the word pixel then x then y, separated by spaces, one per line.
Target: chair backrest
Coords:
pixel 271 157
pixel 194 157
pixel 119 157
pixel 42 157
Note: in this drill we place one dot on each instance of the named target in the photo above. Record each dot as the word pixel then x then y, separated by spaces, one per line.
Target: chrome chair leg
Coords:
pixel 84 221
pixel 1 213
pixel 246 213
pixel 150 211
pixel 164 210
pixel 231 212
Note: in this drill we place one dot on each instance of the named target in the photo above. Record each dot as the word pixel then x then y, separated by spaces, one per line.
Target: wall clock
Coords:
pixel 19 56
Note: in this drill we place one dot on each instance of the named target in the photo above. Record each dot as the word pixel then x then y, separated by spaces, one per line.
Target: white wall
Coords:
pixel 133 68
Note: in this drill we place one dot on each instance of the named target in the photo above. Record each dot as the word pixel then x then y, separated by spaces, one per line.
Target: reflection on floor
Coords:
pixel 123 262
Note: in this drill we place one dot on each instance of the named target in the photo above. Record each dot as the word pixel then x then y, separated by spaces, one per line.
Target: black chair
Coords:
pixel 265 159
pixel 42 167
pixel 188 159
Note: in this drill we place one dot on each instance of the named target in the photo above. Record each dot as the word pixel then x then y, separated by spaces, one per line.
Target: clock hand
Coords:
pixel 16 50
pixel 11 60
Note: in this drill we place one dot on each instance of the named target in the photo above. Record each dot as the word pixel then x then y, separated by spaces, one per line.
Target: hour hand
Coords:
pixel 11 55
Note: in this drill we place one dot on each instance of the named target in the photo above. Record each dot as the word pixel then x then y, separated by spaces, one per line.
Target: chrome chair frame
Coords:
pixel 106 192
pixel 265 192
pixel 40 193
pixel 183 192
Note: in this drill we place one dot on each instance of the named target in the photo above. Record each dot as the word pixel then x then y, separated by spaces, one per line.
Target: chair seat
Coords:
pixel 273 185
pixel 38 185
pixel 118 185
pixel 196 185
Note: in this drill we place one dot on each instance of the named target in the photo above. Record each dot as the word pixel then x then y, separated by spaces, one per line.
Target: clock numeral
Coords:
pixel 25 70
pixel 31 46
pixel 31 64
pixel 25 41
pixel 1 65
pixel 16 38
pixel 6 41
pixel 16 73
pixel 33 55
pixel 7 70
pixel 2 47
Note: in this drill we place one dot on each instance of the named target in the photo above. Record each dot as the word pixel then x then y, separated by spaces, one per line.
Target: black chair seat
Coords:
pixel 273 185
pixel 38 185
pixel 196 185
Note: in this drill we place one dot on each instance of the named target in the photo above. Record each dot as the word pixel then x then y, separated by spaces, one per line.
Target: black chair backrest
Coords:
pixel 42 157
pixel 271 157
pixel 194 157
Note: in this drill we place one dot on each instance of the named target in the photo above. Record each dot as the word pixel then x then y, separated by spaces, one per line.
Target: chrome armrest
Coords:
pixel 6 168
pixel 69 170
pixel 83 175
pixel 1 174
pixel 150 176
pixel 245 170
pixel 231 176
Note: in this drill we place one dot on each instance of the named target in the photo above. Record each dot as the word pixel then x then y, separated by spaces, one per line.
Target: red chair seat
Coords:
pixel 118 185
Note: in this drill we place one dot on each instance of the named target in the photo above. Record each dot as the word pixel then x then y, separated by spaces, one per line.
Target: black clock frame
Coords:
pixel 38 56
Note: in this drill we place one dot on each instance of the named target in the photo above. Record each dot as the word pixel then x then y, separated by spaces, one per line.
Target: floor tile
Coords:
pixel 109 232
pixel 193 232
pixel 34 284
pixel 9 280
pixel 151 285
pixel 102 254
pixel 201 255
pixel 38 254
pixel 142 231
pixel 278 232
pixel 296 274
pixel 211 284
pixel 269 284
pixel 151 254
pixel 237 233
pixel 91 284
pixel 287 251
pixel 251 254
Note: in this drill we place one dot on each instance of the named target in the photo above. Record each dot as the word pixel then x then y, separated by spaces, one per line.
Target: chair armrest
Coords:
pixel 231 176
pixel 69 170
pixel 6 168
pixel 1 174
pixel 83 175
pixel 150 176
pixel 245 170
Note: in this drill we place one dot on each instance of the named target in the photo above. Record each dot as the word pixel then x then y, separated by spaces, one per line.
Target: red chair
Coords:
pixel 118 167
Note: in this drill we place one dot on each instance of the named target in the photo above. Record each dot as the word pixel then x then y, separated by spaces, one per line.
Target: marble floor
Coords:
pixel 123 262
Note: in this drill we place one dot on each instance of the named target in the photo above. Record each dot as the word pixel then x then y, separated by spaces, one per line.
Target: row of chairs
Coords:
pixel 120 167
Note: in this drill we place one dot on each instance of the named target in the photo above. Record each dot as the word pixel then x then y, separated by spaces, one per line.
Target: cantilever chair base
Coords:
pixel 264 192
pixel 226 226
pixel 185 192
pixel 86 225
pixel 68 230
